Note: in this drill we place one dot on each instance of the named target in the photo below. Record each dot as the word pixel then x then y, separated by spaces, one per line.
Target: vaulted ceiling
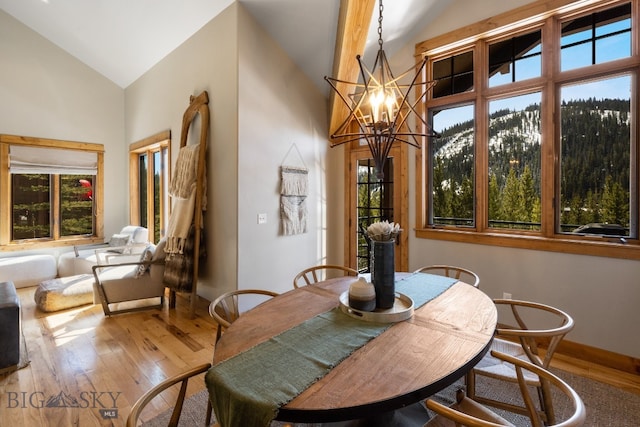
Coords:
pixel 122 39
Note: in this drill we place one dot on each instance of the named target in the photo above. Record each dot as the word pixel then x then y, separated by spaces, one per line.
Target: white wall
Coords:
pixel 47 93
pixel 260 104
pixel 602 294
pixel 282 121
pixel 157 101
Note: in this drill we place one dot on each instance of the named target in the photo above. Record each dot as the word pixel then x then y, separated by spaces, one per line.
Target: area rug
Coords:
pixel 607 406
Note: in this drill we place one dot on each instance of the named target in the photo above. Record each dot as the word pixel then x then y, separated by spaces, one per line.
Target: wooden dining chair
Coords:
pixel 226 309
pixel 471 413
pixel 319 273
pixel 459 273
pixel 522 341
pixel 182 378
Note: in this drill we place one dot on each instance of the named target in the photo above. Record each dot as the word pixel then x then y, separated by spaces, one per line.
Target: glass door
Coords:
pixel 372 199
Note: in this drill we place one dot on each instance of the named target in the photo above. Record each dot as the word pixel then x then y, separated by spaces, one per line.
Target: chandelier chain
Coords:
pixel 380 25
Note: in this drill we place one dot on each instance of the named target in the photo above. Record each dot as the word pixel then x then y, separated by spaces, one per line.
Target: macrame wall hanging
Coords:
pixel 294 187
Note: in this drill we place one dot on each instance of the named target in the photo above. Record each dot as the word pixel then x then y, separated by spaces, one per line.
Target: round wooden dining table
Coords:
pixel 408 362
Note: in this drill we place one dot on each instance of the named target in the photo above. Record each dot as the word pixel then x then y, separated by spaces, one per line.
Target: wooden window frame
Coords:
pixel 546 14
pixel 6 244
pixel 153 144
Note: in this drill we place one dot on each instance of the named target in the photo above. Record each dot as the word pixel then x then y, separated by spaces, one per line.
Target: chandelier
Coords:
pixel 380 106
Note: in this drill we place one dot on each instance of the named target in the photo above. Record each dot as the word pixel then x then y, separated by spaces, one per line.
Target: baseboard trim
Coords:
pixel 590 354
pixel 599 356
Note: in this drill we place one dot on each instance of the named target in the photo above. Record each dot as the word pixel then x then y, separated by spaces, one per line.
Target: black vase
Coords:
pixel 383 272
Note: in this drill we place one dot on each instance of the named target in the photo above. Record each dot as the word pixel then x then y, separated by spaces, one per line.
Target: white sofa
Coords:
pixel 125 246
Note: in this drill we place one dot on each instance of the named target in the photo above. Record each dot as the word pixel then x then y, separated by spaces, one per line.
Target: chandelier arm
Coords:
pixel 401 76
pixel 332 79
pixel 432 132
pixel 344 125
pixel 418 98
pixel 415 134
pixel 341 131
pixel 387 145
pixel 409 142
pixel 364 78
pixel 412 109
pixel 352 111
pixel 406 95
pixel 373 143
pixel 343 140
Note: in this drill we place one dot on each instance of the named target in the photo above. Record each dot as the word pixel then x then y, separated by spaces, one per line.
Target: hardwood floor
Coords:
pixel 106 364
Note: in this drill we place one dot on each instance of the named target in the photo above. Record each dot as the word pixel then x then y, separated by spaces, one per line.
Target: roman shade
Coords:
pixel 25 159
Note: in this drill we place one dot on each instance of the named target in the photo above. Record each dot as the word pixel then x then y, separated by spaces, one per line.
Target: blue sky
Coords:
pixel 607 49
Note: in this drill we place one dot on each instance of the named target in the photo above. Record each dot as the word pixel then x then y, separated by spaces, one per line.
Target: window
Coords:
pixel 452 167
pixel 595 149
pixel 539 149
pixel 50 191
pixel 149 164
pixel 514 162
pixel 515 59
pixel 454 74
pixel 596 38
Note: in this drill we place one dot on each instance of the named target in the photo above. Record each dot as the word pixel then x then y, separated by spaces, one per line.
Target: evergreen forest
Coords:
pixel 594 167
pixel 31 205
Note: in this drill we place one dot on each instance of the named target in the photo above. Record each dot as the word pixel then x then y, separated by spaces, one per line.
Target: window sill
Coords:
pixel 45 244
pixel 607 247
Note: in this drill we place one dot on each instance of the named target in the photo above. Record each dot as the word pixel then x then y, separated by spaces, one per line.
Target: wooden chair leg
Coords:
pixel 546 402
pixel 172 299
pixel 470 380
pixel 103 298
pixel 209 412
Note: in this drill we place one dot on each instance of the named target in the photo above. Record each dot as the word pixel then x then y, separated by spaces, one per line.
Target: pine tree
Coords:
pixel 495 199
pixel 529 195
pixel 615 205
pixel 511 198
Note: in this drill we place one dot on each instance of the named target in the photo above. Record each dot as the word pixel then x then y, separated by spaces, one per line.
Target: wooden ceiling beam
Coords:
pixel 351 36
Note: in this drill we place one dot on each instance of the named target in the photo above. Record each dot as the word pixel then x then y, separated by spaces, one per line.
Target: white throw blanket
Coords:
pixel 183 182
pixel 183 191
pixel 179 223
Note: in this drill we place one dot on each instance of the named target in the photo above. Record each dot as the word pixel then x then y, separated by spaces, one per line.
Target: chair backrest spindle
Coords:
pixel 459 273
pixel 317 273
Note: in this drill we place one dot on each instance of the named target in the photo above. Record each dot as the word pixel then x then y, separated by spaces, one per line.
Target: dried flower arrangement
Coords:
pixel 382 231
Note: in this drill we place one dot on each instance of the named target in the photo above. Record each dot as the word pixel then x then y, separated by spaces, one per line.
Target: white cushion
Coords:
pixel 146 256
pixel 28 270
pixel 119 241
pixel 70 265
pixel 136 233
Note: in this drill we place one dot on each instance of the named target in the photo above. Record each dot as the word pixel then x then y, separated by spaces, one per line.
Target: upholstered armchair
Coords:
pixel 124 246
pixel 132 286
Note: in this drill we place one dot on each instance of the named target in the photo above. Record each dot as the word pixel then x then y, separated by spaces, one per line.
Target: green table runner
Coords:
pixel 249 388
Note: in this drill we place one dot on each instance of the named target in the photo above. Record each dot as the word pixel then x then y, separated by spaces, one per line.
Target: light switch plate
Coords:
pixel 262 218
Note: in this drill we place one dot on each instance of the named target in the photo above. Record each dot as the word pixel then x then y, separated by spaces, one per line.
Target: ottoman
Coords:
pixel 64 292
pixel 9 325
